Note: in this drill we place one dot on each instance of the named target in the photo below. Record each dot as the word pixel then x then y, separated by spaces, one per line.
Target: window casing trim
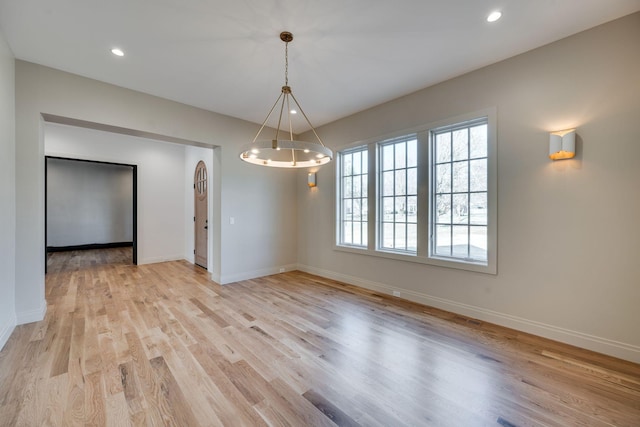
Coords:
pixel 338 211
pixel 378 147
pixel 424 182
pixel 433 164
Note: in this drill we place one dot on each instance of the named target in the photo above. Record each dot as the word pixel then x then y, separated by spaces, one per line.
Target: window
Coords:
pixel 398 194
pixel 458 197
pixel 435 195
pixel 353 212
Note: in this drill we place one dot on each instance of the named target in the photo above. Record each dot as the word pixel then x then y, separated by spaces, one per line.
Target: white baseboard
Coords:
pixel 32 315
pixel 590 342
pixel 7 329
pixel 246 275
pixel 155 260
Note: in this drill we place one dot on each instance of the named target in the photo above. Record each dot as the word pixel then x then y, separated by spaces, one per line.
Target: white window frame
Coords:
pixel 380 196
pixel 464 193
pixel 424 205
pixel 340 196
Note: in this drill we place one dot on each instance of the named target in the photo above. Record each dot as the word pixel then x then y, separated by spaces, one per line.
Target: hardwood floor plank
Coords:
pixel 110 369
pixel 117 411
pixel 95 400
pixel 145 379
pixel 174 406
pixel 300 410
pixel 161 344
pixel 242 404
pixel 73 414
pixel 246 380
pixel 92 361
pixel 174 328
pixel 193 376
pixel 130 387
pixel 17 363
pixel 210 313
pixel 330 410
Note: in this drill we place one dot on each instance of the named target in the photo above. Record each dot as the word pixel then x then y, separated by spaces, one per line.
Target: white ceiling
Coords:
pixel 347 55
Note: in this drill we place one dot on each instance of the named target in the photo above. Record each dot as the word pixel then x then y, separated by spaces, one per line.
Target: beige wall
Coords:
pixel 568 231
pixel 7 193
pixel 263 202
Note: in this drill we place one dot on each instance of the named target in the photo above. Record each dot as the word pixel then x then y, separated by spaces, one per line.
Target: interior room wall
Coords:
pixel 567 231
pixel 88 203
pixel 160 182
pixel 7 193
pixel 262 201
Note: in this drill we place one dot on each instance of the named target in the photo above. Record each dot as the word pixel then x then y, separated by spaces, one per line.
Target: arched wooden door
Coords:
pixel 200 191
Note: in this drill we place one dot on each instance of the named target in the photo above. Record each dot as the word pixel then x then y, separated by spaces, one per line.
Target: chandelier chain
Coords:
pixel 286 64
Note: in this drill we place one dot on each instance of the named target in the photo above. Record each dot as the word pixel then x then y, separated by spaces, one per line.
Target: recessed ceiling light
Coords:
pixel 494 16
pixel 117 52
pixel 293 112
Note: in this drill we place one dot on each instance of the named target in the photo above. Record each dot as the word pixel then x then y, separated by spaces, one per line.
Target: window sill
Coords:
pixel 438 262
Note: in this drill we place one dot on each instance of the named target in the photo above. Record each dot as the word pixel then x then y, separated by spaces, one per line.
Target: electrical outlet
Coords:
pixel 282 270
pixel 396 293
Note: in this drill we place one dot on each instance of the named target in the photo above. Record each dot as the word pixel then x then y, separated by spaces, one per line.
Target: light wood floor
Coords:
pixel 162 345
pixel 59 262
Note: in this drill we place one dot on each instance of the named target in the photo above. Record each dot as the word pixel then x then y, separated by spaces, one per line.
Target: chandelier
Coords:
pixel 282 152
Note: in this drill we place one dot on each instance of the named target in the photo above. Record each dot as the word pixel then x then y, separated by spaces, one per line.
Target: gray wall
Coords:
pixel 568 231
pixel 88 203
pixel 7 193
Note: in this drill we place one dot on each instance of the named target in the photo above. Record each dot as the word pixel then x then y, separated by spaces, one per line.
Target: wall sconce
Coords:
pixel 311 179
pixel 562 144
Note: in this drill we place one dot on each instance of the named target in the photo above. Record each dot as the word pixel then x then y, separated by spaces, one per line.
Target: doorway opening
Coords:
pixel 84 224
